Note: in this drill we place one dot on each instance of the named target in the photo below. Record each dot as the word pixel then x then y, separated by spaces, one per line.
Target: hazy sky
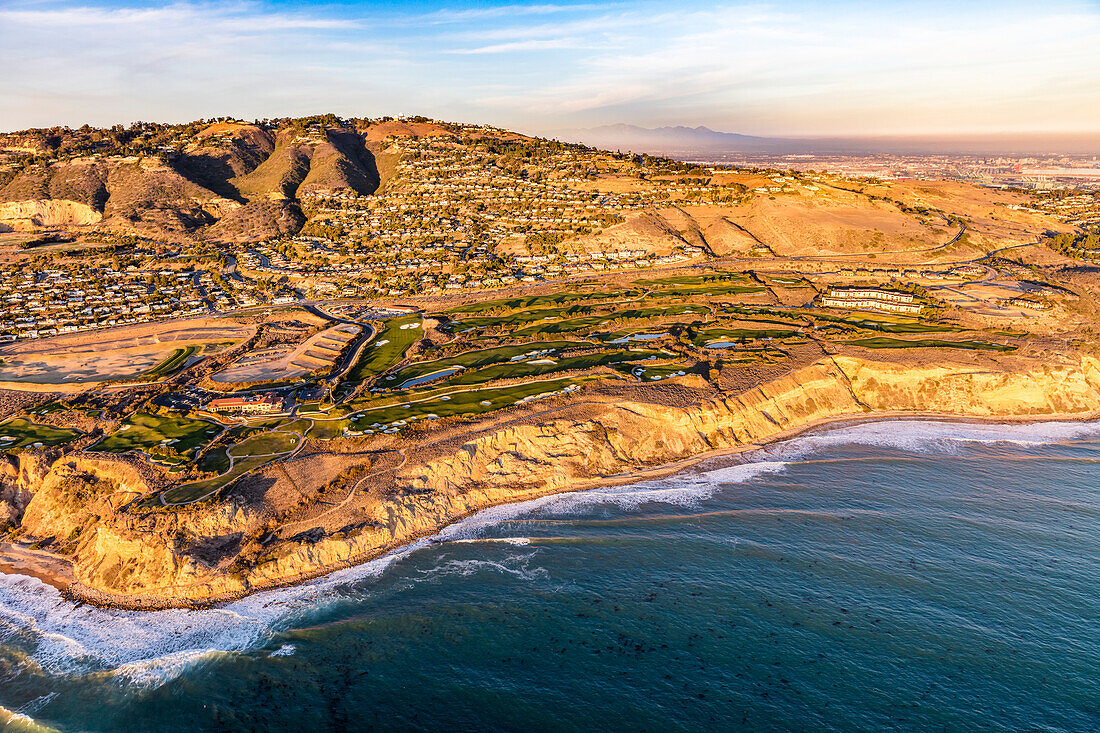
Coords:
pixel 821 68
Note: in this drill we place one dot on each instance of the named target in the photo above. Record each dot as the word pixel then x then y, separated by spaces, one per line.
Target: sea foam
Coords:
pixel 929 436
pixel 146 649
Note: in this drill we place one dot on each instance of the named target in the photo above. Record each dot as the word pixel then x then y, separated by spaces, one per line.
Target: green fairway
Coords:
pixel 471 402
pixel 474 359
pixel 761 316
pixel 146 432
pixel 712 336
pixel 543 366
pixel 519 318
pixel 251 453
pixel 327 429
pixel 883 342
pixel 21 433
pixel 886 324
pixel 173 363
pixel 614 320
pixel 786 282
pixel 536 301
pixel 656 372
pixel 686 286
pixel 693 280
pixel 216 460
pixel 570 319
pixel 386 349
pixel 198 489
pixel 715 289
pixel 265 444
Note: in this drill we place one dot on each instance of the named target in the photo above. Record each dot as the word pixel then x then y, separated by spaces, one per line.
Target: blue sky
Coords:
pixel 839 68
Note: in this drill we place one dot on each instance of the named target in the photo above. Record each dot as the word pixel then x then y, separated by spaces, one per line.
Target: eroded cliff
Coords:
pixel 148 558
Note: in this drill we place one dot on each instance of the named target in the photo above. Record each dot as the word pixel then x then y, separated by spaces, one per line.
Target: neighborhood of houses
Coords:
pixel 68 299
pixel 459 212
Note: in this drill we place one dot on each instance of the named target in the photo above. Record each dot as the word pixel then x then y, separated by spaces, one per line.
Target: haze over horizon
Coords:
pixel 798 69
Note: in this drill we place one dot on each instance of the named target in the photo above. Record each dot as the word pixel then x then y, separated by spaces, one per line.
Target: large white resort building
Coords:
pixel 887 301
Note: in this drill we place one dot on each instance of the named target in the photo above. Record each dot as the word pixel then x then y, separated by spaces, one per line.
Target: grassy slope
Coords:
pixel 463 403
pixel 147 431
pixel 476 359
pixel 516 369
pixel 386 350
pixel 27 433
pixel 883 342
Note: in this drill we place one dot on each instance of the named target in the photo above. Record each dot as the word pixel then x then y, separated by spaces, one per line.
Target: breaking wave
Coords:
pixel 146 649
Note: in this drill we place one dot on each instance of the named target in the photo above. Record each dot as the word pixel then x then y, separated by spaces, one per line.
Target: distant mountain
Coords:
pixel 678 139
pixel 681 141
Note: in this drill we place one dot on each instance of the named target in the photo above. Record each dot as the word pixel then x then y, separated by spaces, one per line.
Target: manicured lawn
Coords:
pixel 198 489
pixel 265 444
pixel 540 367
pixel 712 335
pixel 173 363
pixel 536 301
pixel 21 433
pixel 145 431
pixel 883 342
pixel 474 359
pixel 471 402
pixel 617 318
pixel 386 349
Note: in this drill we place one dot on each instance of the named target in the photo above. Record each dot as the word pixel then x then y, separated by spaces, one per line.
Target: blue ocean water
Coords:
pixel 903 575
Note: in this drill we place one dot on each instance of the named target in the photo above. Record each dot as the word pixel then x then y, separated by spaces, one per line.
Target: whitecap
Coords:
pixel 146 649
pixel 930 436
pixel 19 721
pixel 149 648
pixel 517 566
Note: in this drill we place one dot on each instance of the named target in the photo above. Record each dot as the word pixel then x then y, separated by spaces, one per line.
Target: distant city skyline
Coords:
pixel 770 69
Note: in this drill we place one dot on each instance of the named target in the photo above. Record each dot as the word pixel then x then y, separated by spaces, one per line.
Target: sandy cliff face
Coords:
pixel 77 502
pixel 525 461
pixel 30 216
pixel 158 555
pixel 633 433
pixel 1035 389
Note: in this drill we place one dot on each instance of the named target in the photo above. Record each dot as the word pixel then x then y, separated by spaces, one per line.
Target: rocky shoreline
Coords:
pixel 124 563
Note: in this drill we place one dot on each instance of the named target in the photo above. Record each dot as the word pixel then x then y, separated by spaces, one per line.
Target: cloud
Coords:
pixel 756 68
pixel 552 44
pixel 449 15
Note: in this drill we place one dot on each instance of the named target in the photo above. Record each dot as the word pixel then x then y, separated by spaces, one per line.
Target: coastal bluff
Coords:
pixel 210 553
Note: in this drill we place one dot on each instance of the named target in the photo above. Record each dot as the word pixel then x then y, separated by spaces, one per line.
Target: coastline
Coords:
pixel 57 572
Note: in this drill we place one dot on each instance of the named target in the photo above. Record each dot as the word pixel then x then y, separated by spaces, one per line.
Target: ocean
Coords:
pixel 899 575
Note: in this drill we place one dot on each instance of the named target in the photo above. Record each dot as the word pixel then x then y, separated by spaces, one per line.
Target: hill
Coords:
pixel 221 180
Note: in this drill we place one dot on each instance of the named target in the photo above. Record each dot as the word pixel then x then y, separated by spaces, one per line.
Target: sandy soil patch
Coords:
pixel 278 363
pixel 112 354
